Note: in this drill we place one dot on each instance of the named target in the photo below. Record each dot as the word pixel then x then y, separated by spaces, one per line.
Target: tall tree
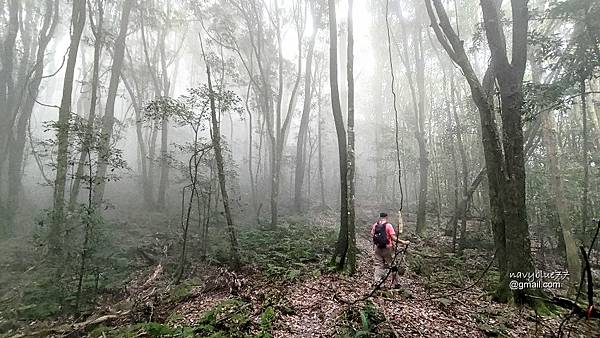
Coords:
pixel 509 75
pixel 505 161
pixel 268 53
pixel 30 88
pixel 6 87
pixel 78 15
pixel 279 137
pixel 585 153
pixel 351 246
pixel 302 131
pixel 6 72
pixel 420 131
pixel 109 113
pixel 417 95
pixel 98 44
pixel 216 144
pixel 342 242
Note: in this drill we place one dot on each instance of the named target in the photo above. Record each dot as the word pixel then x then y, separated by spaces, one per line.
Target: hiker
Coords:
pixel 384 238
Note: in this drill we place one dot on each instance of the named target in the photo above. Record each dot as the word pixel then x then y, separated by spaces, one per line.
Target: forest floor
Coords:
pixel 301 297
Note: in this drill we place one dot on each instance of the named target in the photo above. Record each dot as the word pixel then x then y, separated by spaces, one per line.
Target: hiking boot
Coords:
pixel 397 286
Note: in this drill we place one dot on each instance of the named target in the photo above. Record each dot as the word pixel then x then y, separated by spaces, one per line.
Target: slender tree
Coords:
pixel 351 246
pixel 31 87
pixel 216 144
pixel 304 120
pixel 78 15
pixel 109 113
pixel 98 42
pixel 342 242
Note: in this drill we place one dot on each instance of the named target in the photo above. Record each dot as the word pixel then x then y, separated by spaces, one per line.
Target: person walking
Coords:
pixel 384 238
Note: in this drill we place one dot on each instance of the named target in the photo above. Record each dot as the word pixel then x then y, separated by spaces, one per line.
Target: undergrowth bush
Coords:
pixel 50 285
pixel 362 321
pixel 232 318
pixel 289 250
pixel 150 329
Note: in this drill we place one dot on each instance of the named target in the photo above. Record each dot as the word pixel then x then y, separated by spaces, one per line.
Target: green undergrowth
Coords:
pixel 229 318
pixel 362 321
pixel 443 271
pixel 290 250
pixel 150 329
pixel 184 290
pixel 34 286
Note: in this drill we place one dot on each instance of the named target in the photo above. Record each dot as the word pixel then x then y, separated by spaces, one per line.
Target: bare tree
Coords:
pixel 109 113
pixel 342 242
pixel 216 144
pixel 30 88
pixel 98 42
pixel 351 246
pixel 302 131
pixel 64 115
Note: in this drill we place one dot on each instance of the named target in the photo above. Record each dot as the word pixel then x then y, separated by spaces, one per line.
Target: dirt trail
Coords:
pixel 463 315
pixel 317 312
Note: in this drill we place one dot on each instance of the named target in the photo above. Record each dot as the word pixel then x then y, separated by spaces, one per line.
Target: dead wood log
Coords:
pixel 73 327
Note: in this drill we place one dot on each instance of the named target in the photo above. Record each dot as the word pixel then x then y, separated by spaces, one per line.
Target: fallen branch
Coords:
pixel 568 304
pixel 72 328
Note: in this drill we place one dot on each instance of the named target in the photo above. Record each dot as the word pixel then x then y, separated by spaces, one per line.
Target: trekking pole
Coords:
pixel 396 247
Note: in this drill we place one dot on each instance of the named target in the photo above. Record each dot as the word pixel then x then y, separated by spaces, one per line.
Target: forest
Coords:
pixel 299 168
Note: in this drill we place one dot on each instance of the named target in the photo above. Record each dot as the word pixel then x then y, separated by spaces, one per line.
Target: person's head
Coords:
pixel 383 215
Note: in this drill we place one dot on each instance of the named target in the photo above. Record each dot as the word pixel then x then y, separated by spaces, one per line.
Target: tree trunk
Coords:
pixel 64 116
pixel 351 249
pixel 6 111
pixel 342 242
pixel 143 154
pixel 558 199
pixel 164 130
pixel 250 147
pixel 164 167
pixel 420 136
pixel 6 76
pixel 463 160
pixel 500 187
pixel 555 183
pixel 301 145
pixel 216 143
pixel 418 105
pixel 109 113
pixel 320 150
pixel 510 77
pixel 460 208
pixel 92 114
pixel 584 160
pixel 16 155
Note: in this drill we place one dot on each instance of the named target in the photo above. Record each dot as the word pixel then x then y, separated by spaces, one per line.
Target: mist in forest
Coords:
pixel 167 155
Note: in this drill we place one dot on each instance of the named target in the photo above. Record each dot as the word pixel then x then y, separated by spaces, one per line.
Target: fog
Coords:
pixel 147 130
